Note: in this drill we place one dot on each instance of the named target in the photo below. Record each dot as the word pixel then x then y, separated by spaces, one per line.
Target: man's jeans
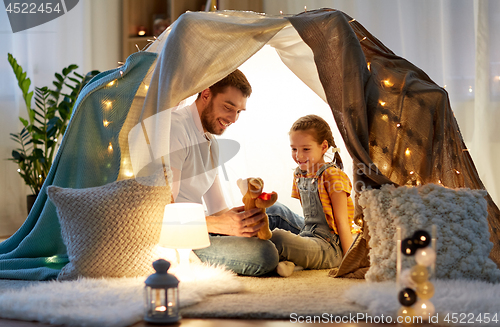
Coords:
pixel 249 255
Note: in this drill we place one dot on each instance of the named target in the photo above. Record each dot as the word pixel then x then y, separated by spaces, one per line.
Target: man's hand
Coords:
pixel 236 222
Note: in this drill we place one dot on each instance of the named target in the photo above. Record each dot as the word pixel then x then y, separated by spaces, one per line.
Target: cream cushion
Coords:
pixel 460 215
pixel 111 230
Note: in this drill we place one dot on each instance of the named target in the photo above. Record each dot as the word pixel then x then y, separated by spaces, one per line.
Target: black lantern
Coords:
pixel 162 295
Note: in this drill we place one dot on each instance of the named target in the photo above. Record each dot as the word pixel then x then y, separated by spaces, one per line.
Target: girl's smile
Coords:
pixel 306 152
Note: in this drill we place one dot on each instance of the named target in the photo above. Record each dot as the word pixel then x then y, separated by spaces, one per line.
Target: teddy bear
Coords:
pixel 253 197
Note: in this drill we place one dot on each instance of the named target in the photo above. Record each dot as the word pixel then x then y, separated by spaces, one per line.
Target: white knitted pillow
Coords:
pixel 110 231
pixel 460 215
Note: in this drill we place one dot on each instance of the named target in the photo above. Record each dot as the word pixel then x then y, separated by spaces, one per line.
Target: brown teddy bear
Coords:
pixel 253 197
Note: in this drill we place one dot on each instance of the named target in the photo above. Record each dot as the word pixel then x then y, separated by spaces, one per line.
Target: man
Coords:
pixel 194 159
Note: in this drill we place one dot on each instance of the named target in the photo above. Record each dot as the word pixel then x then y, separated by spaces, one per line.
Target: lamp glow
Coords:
pixel 184 228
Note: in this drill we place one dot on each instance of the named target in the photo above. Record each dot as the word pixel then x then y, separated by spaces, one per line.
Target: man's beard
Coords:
pixel 209 121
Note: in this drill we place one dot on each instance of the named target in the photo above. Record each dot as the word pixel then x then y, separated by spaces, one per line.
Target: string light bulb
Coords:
pixel 398 125
pixel 305 8
pixel 146 87
pixel 111 83
pixel 281 12
pixel 110 147
pixel 382 103
pixel 388 83
pixel 352 20
pixel 368 64
pixel 470 89
pixel 105 123
pixel 108 104
pixel 407 152
pixel 362 39
pixel 456 171
pixel 18 170
pixel 121 73
pixel 129 173
pixel 412 172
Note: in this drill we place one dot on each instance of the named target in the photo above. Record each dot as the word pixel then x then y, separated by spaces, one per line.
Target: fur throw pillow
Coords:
pixel 460 215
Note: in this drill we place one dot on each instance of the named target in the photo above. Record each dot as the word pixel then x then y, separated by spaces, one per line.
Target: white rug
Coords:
pixel 108 302
pixel 469 300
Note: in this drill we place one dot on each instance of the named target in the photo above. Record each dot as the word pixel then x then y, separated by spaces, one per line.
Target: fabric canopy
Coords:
pixel 396 123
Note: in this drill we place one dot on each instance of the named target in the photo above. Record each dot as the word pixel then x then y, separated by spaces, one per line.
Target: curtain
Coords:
pixel 455 43
pixel 89 36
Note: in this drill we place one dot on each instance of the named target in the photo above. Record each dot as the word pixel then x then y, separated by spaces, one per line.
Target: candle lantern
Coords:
pixel 162 295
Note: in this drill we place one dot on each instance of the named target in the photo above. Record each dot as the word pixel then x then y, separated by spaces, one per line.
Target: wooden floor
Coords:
pixel 216 323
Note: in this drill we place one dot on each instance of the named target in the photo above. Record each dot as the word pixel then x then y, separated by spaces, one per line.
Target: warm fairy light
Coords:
pixel 121 73
pixel 138 49
pixel 362 39
pixel 352 20
pixel 146 87
pixel 105 123
pixel 385 117
pixel 369 66
pixel 465 150
pixel 305 8
pixel 388 83
pixel 55 140
pixel 39 176
pixel 129 173
pixel 108 104
pixel 412 172
pixel 215 8
pixel 18 170
pixel 470 89
pixel 407 152
pixel 458 173
pixel 111 83
pixel 162 308
pixel 398 125
pixel 281 12
pixel 382 103
pixel 110 147
pixel 497 78
pixel 141 33
pixel 444 86
pixel 439 181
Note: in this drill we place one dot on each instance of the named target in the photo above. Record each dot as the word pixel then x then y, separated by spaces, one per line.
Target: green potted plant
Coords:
pixel 47 121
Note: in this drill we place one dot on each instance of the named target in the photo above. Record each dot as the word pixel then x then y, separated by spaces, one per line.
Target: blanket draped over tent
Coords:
pixel 383 105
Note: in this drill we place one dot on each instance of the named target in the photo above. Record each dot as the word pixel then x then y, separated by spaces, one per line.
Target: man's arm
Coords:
pixel 236 222
pixel 176 182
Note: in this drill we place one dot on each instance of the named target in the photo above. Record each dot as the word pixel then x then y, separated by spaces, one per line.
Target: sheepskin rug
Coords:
pixel 463 244
pixel 112 302
pixel 471 301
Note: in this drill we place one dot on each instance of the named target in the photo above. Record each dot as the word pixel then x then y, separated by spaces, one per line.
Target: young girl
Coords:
pixel 324 192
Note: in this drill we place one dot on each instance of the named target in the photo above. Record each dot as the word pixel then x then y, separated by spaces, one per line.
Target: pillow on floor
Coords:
pixel 460 215
pixel 110 231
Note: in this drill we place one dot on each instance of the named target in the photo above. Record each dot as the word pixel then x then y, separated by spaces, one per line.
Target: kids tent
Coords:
pixel 382 105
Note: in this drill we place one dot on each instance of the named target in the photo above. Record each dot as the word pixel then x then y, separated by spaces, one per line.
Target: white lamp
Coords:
pixel 184 228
